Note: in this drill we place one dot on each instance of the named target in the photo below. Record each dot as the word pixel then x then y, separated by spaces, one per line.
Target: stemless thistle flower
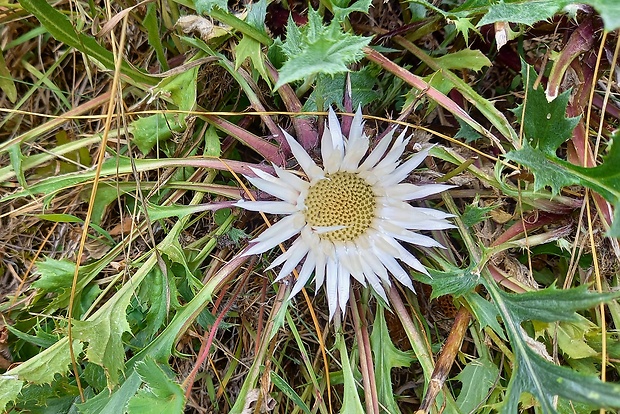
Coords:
pixel 350 216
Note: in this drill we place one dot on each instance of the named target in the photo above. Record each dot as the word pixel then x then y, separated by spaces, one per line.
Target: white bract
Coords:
pixel 350 216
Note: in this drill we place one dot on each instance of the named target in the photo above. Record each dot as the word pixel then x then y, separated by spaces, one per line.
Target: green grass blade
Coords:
pixel 62 29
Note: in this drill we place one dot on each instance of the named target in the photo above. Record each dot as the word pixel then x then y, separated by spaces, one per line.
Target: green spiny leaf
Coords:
pixel 9 390
pixel 330 89
pixel 486 314
pixel 342 9
pixel 464 25
pixel 525 12
pixel 556 380
pixel 532 372
pixel 474 215
pixel 316 48
pixel 54 274
pixel 249 47
pixel 206 6
pixel 571 338
pixel 467 58
pixel 555 173
pixel 546 170
pixel 45 366
pixel 453 281
pixel 161 394
pixel 546 128
pixel 387 356
pixel 477 378
pixel 179 90
pixel 551 304
pixel 544 123
pixel 103 332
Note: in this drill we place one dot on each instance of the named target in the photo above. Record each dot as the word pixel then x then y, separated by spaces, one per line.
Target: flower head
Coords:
pixel 350 216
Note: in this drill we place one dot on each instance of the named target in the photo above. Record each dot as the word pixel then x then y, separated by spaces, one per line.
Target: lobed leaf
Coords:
pixel 161 394
pixel 546 127
pixel 551 304
pixel 315 48
pixel 544 380
pixel 453 281
pixel 544 123
pixel 103 332
pixel 534 374
pixel 477 378
pixel 386 357
pixel 524 11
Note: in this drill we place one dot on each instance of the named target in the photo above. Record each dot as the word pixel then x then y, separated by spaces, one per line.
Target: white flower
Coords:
pixel 350 216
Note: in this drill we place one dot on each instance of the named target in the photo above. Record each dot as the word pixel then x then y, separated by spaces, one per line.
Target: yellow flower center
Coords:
pixel 341 199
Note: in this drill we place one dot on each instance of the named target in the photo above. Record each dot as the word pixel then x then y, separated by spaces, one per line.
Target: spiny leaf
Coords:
pixel 556 380
pixel 161 394
pixel 249 46
pixel 571 338
pixel 464 25
pixel 206 6
pixel 474 215
pixel 486 314
pixel 551 304
pixel 330 89
pixel 387 356
pixel 453 281
pixel 181 91
pixel 54 274
pixel 524 11
pixel 544 123
pixel 477 378
pixel 529 12
pixel 9 390
pixel 103 332
pixel 546 128
pixel 315 48
pixel 467 58
pixel 45 366
pixel 555 173
pixel 533 373
pixel 342 8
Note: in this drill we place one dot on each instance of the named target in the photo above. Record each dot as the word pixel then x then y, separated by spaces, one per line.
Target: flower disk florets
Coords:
pixel 341 199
